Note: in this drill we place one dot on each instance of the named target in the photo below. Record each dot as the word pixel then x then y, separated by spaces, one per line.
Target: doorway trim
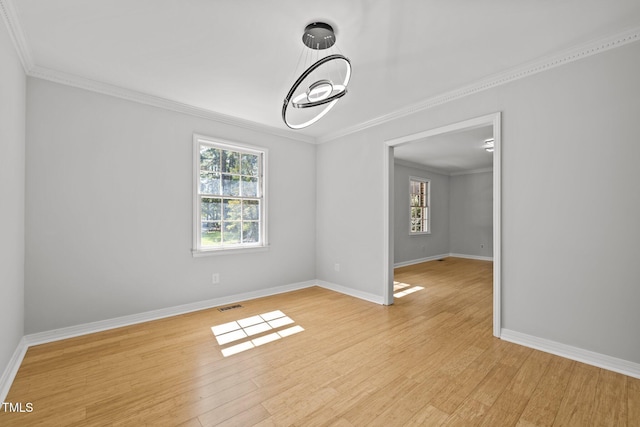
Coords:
pixel 388 196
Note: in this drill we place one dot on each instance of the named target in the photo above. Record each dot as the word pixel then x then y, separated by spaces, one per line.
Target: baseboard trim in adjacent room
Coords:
pixel 437 257
pixel 419 261
pixel 118 322
pixel 574 353
pixel 476 257
pixel 11 370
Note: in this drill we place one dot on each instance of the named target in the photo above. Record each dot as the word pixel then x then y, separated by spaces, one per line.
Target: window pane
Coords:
pixel 209 182
pixel 250 232
pixel 230 161
pixel 249 186
pixel 250 164
pixel 229 195
pixel 209 159
pixel 230 185
pixel 231 232
pixel 416 212
pixel 250 210
pixel 232 209
pixel 415 200
pixel 210 209
pixel 210 233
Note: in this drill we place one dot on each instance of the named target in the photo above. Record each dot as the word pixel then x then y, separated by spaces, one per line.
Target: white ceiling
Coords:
pixel 236 57
pixel 451 153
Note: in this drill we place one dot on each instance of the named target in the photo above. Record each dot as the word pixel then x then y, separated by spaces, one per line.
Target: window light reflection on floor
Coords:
pixel 399 285
pixel 251 326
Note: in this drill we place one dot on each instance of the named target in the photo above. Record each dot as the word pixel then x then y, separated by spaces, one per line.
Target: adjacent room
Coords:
pixel 302 213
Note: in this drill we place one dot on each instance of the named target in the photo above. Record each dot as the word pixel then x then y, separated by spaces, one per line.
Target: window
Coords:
pixel 229 205
pixel 419 192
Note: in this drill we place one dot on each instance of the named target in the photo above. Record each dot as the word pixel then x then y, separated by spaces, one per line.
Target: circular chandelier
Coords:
pixel 321 84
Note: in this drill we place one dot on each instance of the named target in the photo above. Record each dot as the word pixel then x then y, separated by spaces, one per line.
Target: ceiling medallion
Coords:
pixel 321 84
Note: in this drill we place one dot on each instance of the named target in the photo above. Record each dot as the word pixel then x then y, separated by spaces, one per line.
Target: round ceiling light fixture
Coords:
pixel 321 84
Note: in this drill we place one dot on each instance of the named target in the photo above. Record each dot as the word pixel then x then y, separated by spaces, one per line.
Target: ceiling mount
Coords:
pixel 319 36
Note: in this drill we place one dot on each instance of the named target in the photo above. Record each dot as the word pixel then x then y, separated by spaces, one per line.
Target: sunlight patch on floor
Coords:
pixel 240 329
pixel 398 285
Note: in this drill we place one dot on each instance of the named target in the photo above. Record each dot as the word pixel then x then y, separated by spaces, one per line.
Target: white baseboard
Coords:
pixel 477 257
pixel 11 370
pixel 437 257
pixel 419 261
pixel 574 353
pixel 89 328
pixel 378 299
pixel 118 322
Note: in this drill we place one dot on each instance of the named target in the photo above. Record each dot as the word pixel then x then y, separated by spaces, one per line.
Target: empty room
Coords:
pixel 299 213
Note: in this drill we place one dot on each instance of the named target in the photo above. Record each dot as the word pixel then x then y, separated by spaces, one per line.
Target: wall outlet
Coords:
pixel 481 246
pixel 215 278
pixel 336 267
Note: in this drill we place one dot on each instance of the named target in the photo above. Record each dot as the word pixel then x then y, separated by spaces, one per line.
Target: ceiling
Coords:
pixel 237 58
pixel 450 153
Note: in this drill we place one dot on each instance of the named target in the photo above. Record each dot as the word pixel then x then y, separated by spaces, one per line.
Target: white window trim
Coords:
pixel 197 250
pixel 428 182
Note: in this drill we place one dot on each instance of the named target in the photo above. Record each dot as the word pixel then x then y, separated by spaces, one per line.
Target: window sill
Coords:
pixel 421 233
pixel 227 251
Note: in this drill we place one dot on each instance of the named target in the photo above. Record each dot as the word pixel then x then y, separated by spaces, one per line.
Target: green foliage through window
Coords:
pixel 230 195
pixel 419 205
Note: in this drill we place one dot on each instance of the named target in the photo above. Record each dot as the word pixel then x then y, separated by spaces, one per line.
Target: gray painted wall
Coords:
pixel 109 210
pixel 471 214
pixel 570 205
pixel 12 195
pixel 413 247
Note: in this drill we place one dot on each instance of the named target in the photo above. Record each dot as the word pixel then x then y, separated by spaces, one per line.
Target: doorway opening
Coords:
pixel 472 126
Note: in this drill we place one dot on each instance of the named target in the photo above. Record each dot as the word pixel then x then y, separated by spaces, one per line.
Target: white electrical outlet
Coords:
pixel 215 278
pixel 336 267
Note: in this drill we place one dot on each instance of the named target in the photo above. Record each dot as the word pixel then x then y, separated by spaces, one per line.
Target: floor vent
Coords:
pixel 229 307
pixel 441 259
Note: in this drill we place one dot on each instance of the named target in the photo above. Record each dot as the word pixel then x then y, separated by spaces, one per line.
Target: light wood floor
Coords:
pixel 429 359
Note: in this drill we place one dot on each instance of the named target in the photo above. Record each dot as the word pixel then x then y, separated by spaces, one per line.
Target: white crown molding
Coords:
pixel 414 165
pixel 471 171
pixel 603 361
pixel 12 22
pixel 526 70
pixel 425 168
pixel 155 101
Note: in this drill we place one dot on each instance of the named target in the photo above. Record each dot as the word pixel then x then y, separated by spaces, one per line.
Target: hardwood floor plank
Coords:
pixel 545 401
pixel 633 401
pixel 576 408
pixel 251 416
pixel 610 399
pixel 430 359
pixel 367 412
